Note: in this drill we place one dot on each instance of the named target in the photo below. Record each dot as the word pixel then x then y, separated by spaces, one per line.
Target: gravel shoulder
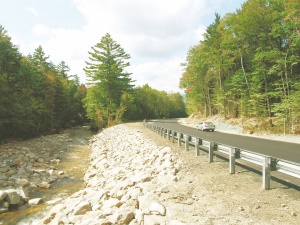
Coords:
pixel 208 194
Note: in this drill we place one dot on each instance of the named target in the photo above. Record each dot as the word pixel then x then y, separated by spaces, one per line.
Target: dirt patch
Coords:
pixel 206 193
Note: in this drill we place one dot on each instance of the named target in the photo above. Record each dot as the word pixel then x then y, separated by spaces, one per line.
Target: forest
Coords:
pixel 247 65
pixel 38 97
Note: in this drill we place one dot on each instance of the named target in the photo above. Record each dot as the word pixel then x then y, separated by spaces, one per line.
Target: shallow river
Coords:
pixel 74 164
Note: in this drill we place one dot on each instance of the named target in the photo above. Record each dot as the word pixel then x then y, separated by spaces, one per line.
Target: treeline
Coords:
pixel 36 96
pixel 149 103
pixel 111 96
pixel 248 65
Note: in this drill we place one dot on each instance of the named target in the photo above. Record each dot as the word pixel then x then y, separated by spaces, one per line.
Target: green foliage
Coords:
pixel 35 96
pixel 109 82
pixel 148 103
pixel 247 64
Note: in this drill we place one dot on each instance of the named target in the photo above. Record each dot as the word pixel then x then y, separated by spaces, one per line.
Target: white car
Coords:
pixel 209 126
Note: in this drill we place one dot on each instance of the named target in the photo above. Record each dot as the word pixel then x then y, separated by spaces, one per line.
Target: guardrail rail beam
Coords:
pixel 267 163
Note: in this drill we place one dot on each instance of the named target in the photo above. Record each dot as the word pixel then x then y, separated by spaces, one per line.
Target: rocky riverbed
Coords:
pixel 36 171
pixel 137 177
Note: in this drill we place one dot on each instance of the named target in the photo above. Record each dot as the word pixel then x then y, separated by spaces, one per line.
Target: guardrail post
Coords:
pixel 173 136
pixel 211 152
pixel 187 137
pixel 266 173
pixel 179 139
pixel 168 134
pixel 162 131
pixel 232 161
pixel 197 146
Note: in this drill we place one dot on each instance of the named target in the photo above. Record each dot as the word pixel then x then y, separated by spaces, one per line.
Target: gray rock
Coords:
pixel 82 208
pixel 13 197
pixel 3 210
pixel 23 173
pixel 2 195
pixel 22 182
pixel 36 201
pixel 4 169
pixel 3 177
pixel 31 155
pixel 157 208
pixel 12 172
pixel 43 184
pixel 122 217
pixel 5 205
pixel 40 160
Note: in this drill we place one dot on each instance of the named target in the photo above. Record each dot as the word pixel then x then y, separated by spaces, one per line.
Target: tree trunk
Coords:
pixel 268 101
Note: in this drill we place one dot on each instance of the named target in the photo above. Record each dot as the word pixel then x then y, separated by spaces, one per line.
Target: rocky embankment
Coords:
pixel 126 173
pixel 136 177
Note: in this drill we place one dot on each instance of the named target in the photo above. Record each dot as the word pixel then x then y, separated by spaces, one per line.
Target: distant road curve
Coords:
pixel 278 149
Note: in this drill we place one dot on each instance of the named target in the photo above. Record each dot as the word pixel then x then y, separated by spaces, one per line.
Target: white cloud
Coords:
pixel 71 46
pixel 157 34
pixel 40 29
pixel 32 11
pixel 159 75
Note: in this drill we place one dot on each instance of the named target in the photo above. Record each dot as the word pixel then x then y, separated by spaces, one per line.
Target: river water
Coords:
pixel 74 164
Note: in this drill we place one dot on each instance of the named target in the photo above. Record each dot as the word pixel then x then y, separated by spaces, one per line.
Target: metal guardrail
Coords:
pixel 268 163
pixel 289 168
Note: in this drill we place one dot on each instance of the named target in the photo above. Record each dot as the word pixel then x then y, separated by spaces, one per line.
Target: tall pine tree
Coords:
pixel 108 80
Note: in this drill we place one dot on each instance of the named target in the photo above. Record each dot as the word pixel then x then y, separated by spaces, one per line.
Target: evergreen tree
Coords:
pixel 106 71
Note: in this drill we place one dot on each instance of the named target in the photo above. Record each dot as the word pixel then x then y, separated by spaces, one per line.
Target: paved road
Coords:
pixel 278 149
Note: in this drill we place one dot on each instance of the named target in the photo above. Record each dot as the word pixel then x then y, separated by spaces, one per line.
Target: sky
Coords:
pixel 156 33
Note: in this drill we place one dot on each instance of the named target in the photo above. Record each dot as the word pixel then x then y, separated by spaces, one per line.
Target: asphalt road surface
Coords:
pixel 277 149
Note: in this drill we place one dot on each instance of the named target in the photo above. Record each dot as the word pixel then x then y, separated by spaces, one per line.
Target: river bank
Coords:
pixel 137 177
pixel 42 171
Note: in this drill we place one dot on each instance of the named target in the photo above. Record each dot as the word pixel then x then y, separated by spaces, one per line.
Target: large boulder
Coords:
pixel 13 197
